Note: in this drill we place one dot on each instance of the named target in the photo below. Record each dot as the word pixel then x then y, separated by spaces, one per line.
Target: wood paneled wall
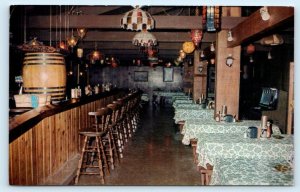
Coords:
pixel 227 78
pixel 43 149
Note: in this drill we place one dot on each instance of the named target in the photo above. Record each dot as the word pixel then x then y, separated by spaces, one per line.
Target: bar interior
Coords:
pixel 151 95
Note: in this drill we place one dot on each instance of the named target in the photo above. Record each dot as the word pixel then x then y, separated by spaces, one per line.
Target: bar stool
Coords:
pixel 107 138
pixel 93 149
pixel 115 126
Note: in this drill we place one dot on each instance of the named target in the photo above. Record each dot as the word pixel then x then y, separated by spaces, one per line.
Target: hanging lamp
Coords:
pixel 81 32
pixel 196 34
pixel 137 20
pixel 144 39
pixel 72 41
pixel 211 18
pixel 188 47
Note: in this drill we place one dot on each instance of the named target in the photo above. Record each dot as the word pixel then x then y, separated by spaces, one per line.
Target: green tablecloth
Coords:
pixel 250 172
pixel 211 146
pixel 192 127
pixel 168 94
pixel 187 113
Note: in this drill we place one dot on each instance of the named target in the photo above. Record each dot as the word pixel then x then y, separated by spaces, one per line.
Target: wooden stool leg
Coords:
pixel 115 152
pixel 80 160
pixel 100 161
pixel 99 142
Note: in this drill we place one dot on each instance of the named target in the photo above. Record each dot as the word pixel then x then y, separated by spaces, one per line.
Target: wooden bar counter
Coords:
pixel 44 140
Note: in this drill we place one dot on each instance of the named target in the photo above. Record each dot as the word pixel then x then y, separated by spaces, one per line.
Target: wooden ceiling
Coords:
pixel 172 27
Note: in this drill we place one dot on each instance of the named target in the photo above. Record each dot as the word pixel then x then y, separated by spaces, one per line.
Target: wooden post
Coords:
pixel 227 78
pixel 227 85
pixel 290 114
pixel 200 79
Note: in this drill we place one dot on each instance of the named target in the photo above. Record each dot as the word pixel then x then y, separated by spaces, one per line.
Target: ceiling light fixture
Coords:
pixel 144 39
pixel 211 18
pixel 137 20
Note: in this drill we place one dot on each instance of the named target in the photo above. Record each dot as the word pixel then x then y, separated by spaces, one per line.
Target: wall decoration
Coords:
pixel 141 76
pixel 168 74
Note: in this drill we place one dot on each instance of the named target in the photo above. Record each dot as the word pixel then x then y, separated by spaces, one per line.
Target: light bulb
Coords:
pixel 229 38
pixel 269 55
pixel 202 54
pixel 212 47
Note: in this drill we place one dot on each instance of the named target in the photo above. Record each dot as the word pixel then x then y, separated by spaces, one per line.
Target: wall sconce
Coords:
pixel 212 47
pixel 212 61
pixel 229 36
pixel 229 60
pixel 264 13
pixel 269 55
pixel 200 68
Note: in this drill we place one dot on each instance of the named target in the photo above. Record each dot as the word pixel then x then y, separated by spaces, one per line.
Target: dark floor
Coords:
pixel 154 156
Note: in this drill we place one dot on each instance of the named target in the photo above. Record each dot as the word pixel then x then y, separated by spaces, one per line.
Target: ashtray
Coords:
pixel 282 168
pixel 278 136
pixel 228 118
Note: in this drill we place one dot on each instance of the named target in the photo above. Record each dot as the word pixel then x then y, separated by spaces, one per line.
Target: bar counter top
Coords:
pixel 19 124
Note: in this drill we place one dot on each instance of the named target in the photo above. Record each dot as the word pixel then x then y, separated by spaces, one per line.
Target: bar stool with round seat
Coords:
pixel 108 140
pixel 115 126
pixel 93 149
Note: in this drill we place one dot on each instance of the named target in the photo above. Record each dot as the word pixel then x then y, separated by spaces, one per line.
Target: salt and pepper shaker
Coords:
pixel 224 112
pixel 264 126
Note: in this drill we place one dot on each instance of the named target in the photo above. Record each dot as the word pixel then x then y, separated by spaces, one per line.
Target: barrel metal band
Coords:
pixel 43 88
pixel 45 92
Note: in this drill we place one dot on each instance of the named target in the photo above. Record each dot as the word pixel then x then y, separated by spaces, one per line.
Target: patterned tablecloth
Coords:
pixel 192 127
pixel 211 146
pixel 188 113
pixel 187 106
pixel 181 101
pixel 250 172
pixel 168 94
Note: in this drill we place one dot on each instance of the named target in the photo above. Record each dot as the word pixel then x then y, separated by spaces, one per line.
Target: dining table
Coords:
pixel 250 172
pixel 211 146
pixel 183 114
pixel 194 127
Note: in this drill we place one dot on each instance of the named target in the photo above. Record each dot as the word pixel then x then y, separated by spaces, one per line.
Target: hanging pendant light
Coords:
pixel 96 55
pixel 196 35
pixel 188 47
pixel 144 39
pixel 72 41
pixel 269 55
pixel 137 20
pixel 250 49
pixel 211 18
pixel 81 32
pixel 202 54
pixel 182 54
pixel 212 47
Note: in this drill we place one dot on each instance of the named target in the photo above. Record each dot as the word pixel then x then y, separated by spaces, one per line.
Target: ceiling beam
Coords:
pixel 130 46
pixel 123 36
pixel 254 25
pixel 113 22
pixel 96 10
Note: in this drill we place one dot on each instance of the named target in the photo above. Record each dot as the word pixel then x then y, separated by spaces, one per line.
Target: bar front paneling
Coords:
pixel 39 152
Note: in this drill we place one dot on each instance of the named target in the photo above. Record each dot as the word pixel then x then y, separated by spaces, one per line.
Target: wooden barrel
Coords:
pixel 45 73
